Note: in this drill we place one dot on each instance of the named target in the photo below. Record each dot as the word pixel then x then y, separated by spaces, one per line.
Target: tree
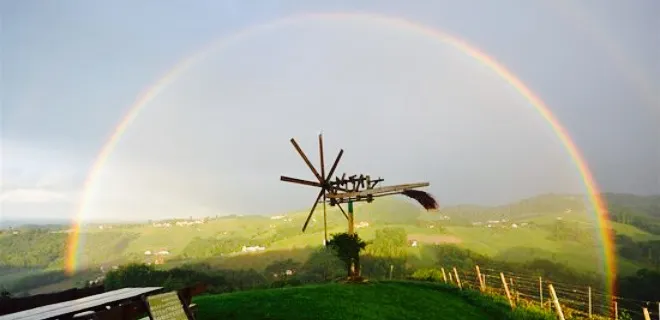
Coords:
pixel 134 275
pixel 389 242
pixel 322 265
pixel 347 248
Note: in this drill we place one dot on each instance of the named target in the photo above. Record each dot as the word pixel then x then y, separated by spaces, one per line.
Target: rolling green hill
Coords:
pixel 554 227
pixel 383 300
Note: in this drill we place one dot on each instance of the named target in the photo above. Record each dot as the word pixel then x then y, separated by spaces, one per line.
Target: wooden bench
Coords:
pixel 126 303
pixel 84 308
pixel 143 310
pixel 13 305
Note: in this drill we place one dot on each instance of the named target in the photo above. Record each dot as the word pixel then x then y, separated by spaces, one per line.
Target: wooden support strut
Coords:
pixel 376 191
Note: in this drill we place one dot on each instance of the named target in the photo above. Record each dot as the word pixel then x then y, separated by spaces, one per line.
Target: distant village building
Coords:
pixel 162 225
pixel 513 225
pixel 276 217
pixel 362 224
pixel 147 253
pixel 97 281
pixel 188 223
pixel 253 249
pixel 163 253
pixel 413 243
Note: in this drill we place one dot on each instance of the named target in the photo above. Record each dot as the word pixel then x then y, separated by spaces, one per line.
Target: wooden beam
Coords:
pixel 380 190
pixel 301 181
pixel 309 164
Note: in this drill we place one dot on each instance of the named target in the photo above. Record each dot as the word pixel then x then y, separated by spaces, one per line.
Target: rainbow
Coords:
pixel 153 91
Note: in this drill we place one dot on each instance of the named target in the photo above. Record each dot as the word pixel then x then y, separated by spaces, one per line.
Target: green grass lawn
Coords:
pixel 379 300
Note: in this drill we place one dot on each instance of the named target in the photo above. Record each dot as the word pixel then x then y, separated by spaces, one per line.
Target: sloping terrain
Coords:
pixel 382 300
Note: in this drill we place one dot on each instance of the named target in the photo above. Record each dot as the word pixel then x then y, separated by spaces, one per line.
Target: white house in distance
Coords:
pixel 362 224
pixel 188 223
pixel 253 249
pixel 162 225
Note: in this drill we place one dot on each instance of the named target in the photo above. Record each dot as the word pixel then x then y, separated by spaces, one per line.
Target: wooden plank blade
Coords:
pixel 321 155
pixel 375 191
pixel 334 165
pixel 309 164
pixel 312 211
pixel 301 181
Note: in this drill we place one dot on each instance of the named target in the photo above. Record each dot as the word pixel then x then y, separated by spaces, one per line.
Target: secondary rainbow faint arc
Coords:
pixel 154 90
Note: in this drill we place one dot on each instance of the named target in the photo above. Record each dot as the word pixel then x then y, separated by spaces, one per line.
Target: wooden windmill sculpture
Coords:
pixel 352 189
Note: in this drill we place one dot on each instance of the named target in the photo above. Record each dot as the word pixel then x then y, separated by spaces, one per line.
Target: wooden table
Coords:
pixel 67 309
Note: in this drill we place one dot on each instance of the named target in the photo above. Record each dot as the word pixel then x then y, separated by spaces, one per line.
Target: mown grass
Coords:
pixel 378 300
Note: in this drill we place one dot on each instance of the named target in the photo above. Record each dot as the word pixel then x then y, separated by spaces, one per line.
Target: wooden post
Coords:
pixel 325 215
pixel 391 269
pixel 506 289
pixel 555 300
pixel 484 280
pixel 444 275
pixel 351 231
pixel 451 278
pixel 351 226
pixel 647 316
pixel 541 291
pixel 513 290
pixel 479 278
pixel 616 310
pixel 589 302
pixel 458 280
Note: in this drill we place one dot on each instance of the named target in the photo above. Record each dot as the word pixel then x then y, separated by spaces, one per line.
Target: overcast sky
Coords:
pixel 402 104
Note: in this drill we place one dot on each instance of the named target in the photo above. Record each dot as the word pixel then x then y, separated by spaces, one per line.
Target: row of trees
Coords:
pixel 43 248
pixel 650 224
pixel 647 252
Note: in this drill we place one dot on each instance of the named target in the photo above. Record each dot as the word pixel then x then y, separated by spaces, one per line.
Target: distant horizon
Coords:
pixel 12 222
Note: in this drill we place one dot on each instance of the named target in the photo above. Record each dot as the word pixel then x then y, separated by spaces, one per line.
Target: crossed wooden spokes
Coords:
pixel 323 180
